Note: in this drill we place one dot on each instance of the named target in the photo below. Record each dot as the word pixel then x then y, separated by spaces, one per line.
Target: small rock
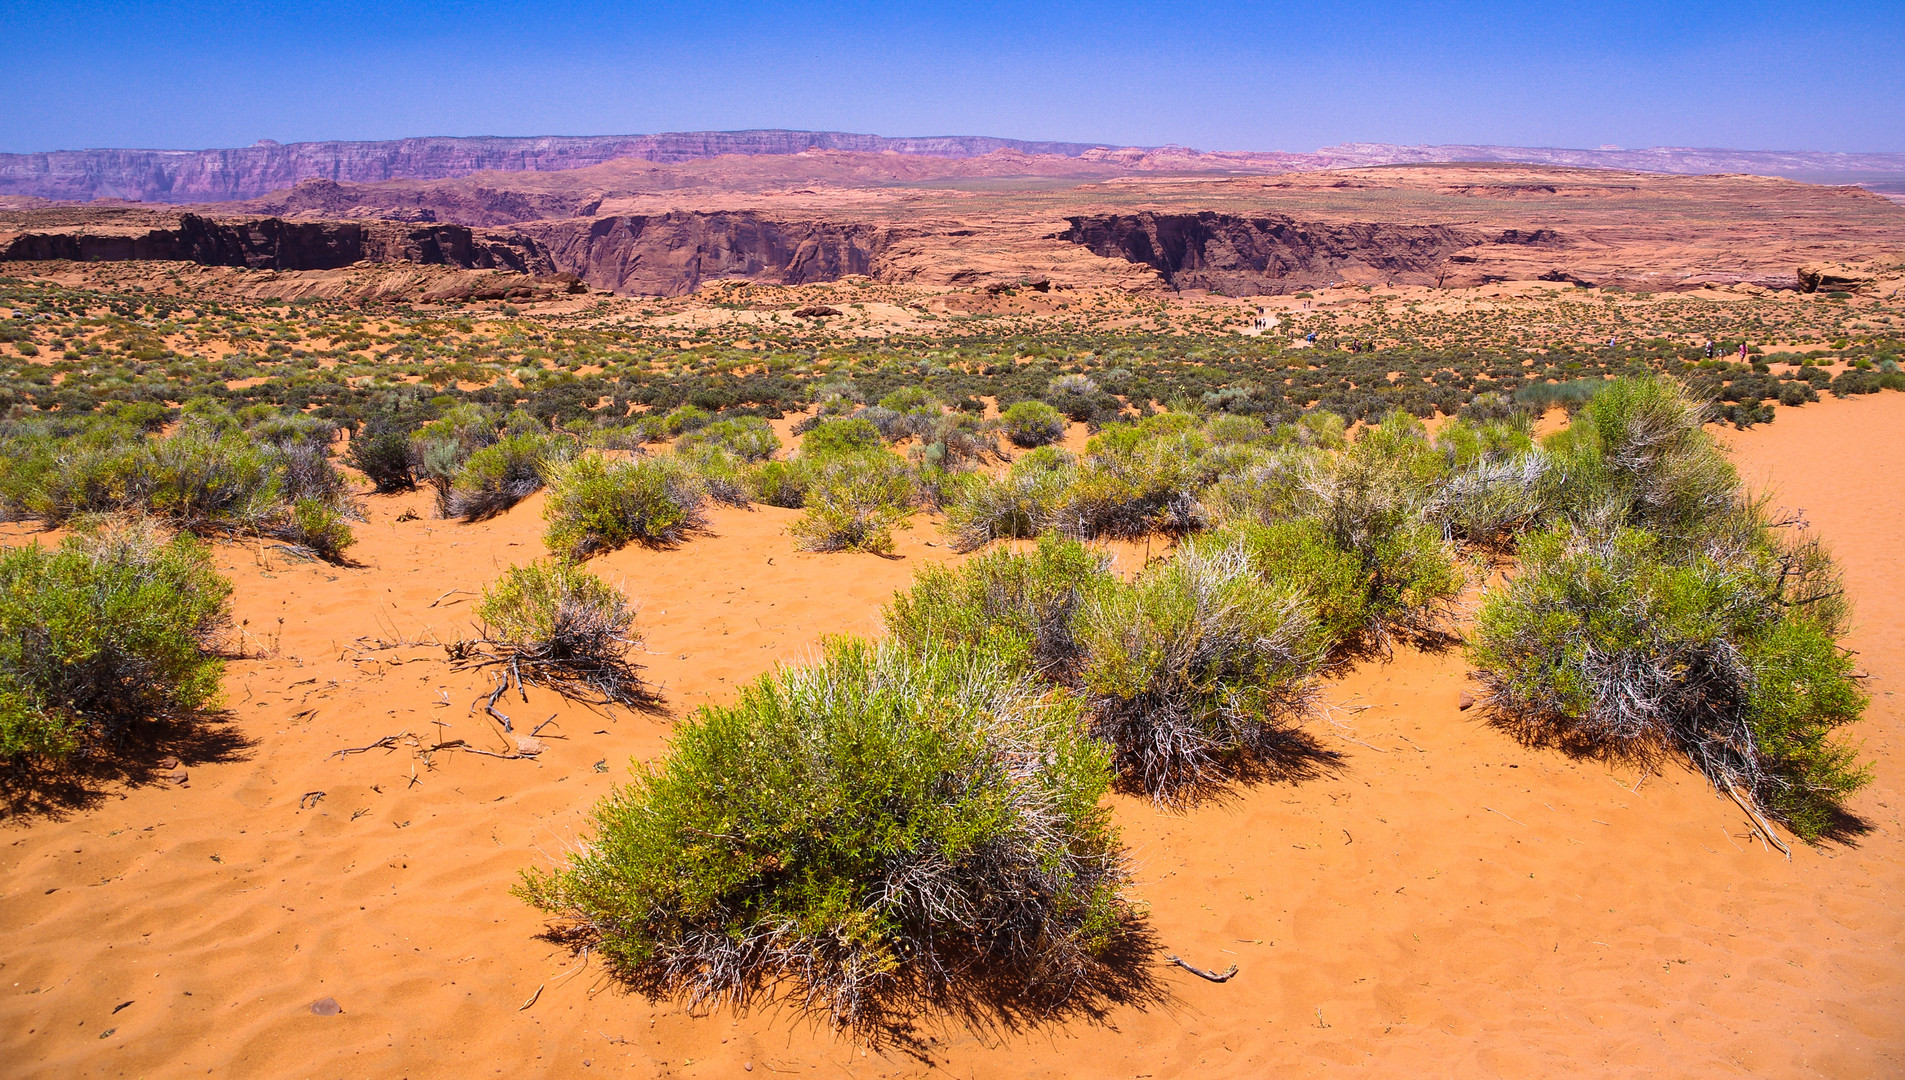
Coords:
pixel 169 763
pixel 528 745
pixel 748 1065
pixel 1465 702
pixel 179 777
pixel 326 1007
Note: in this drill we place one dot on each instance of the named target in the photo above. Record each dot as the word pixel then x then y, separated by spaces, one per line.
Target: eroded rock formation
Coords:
pixel 670 254
pixel 276 244
pixel 1248 256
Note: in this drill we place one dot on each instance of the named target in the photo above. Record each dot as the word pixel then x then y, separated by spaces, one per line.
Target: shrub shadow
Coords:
pixel 1846 829
pixel 1293 756
pixel 992 999
pixel 31 789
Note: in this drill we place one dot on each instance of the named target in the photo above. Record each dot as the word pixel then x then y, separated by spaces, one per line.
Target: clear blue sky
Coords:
pixel 1268 76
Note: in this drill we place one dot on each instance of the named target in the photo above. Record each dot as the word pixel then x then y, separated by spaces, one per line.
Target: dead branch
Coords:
pixel 1765 830
pixel 388 742
pixel 1214 976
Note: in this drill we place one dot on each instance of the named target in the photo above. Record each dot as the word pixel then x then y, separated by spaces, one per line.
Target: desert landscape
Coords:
pixel 561 606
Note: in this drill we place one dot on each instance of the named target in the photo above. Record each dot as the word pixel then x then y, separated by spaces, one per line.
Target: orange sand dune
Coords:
pixel 1442 902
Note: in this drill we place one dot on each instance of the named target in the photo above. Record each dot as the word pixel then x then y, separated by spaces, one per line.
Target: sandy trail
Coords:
pixel 1438 901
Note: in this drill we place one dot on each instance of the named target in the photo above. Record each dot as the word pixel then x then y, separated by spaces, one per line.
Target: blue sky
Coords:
pixel 1263 76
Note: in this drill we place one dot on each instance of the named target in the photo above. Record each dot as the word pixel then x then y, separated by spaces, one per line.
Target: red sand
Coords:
pixel 1446 903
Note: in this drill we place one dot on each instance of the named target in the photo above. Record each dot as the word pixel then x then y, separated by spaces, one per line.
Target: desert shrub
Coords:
pixel 207 478
pixel 1018 505
pixel 1138 479
pixel 854 502
pixel 723 477
pixel 1194 673
pixel 780 483
pixel 501 475
pixel 197 481
pixel 1494 407
pixel 437 463
pixel 1234 429
pixel 106 631
pixel 957 440
pixel 748 438
pixel 305 471
pixel 628 437
pixel 680 421
pixel 875 828
pixel 1018 607
pixel 1079 398
pixel 317 525
pixel 1639 454
pixel 1616 642
pixel 1371 501
pixel 468 426
pixel 383 455
pixel 832 437
pixel 1273 485
pixel 1852 381
pixel 597 505
pixel 1498 483
pixel 1797 393
pixel 555 624
pixel 1033 423
pixel 1322 430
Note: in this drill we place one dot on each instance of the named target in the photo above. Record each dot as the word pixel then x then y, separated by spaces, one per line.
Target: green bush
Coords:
pixel 1639 454
pixel 724 477
pixel 1136 480
pixel 1019 607
pixel 105 632
pixel 956 440
pixel 555 624
pixel 1371 501
pixel 382 454
pixel 597 505
pixel 855 502
pixel 877 828
pixel 781 483
pixel 1570 395
pixel 1499 484
pixel 503 474
pixel 1033 423
pixel 1194 673
pixel 1019 505
pixel 835 437
pixel 317 525
pixel 749 438
pixel 1621 644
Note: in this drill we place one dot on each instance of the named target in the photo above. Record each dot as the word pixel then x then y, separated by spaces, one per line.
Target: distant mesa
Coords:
pixel 225 175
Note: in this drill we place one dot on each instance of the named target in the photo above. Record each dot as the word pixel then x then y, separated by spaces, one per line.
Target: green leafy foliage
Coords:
pixel 1195 672
pixel 881 826
pixel 854 502
pixel 598 505
pixel 106 631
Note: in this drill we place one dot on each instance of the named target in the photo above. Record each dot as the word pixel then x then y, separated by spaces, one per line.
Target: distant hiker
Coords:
pixel 1613 341
pixel 1742 352
pixel 1709 348
pixel 1312 338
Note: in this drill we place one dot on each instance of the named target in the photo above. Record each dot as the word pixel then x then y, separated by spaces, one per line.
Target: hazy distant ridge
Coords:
pixel 198 176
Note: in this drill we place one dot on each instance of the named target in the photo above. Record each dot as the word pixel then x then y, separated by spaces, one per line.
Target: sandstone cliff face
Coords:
pixel 1250 256
pixel 185 176
pixel 276 244
pixel 672 254
pixel 471 204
